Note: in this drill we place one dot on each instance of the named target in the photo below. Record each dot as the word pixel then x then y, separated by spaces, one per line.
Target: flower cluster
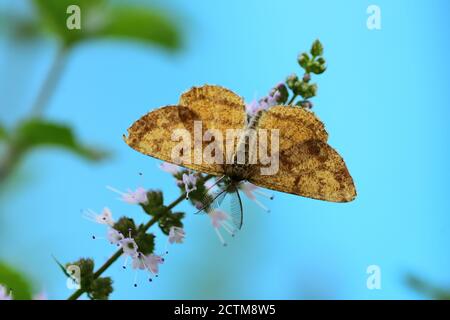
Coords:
pixel 141 255
pixel 312 63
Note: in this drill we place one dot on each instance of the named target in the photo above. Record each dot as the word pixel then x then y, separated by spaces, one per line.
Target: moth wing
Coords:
pixel 295 125
pixel 310 169
pixel 217 107
pixel 152 135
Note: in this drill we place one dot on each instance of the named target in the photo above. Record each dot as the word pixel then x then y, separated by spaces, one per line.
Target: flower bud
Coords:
pixel 317 48
pixel 318 68
pixel 306 77
pixel 303 60
pixel 290 81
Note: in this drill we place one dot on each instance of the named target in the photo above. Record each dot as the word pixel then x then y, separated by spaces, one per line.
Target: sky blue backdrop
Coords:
pixel 384 100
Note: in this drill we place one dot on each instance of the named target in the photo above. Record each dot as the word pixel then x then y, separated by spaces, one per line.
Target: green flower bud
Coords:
pixel 303 60
pixel 321 60
pixel 101 288
pixel 316 48
pixel 318 68
pixel 290 81
pixel 310 91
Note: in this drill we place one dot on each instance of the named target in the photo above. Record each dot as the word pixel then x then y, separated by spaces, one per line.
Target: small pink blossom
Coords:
pixel 104 218
pixel 40 296
pixel 114 236
pixel 169 168
pixel 4 295
pixel 219 219
pixel 176 235
pixel 190 183
pixel 139 196
pixel 250 190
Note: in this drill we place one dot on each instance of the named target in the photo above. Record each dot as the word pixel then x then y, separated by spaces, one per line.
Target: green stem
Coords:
pixel 13 153
pixel 119 252
pixel 292 99
pixel 50 82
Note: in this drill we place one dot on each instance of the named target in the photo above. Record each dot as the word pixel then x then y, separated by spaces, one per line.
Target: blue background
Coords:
pixel 384 100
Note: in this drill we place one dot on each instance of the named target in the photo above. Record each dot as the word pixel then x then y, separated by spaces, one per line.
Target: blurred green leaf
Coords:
pixel 426 288
pixel 37 133
pixel 3 132
pixel 16 282
pixel 142 24
pixel 101 20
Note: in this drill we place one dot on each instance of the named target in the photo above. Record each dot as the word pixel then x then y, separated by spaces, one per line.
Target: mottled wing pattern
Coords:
pixel 311 169
pixel 217 107
pixel 295 125
pixel 151 135
pixel 308 166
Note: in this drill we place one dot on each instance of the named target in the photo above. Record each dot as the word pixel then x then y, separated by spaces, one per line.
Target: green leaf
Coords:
pixel 16 282
pixel 38 133
pixel 125 226
pixel 62 267
pixel 98 19
pixel 101 288
pixel 171 220
pixel 142 24
pixel 145 242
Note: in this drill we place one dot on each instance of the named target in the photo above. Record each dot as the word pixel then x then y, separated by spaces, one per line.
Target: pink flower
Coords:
pixel 104 218
pixel 114 236
pixel 40 296
pixel 190 183
pixel 176 235
pixel 219 219
pixel 153 261
pixel 169 168
pixel 250 190
pixel 132 197
pixel 149 262
pixel 4 295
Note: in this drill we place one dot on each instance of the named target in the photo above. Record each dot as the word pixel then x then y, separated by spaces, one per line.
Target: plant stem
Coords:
pixel 50 82
pixel 292 99
pixel 119 252
pixel 13 153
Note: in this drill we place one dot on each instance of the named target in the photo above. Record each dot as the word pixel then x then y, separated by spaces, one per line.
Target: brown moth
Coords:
pixel 308 166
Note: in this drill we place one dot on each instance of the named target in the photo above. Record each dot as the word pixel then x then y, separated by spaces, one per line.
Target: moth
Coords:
pixel 308 166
